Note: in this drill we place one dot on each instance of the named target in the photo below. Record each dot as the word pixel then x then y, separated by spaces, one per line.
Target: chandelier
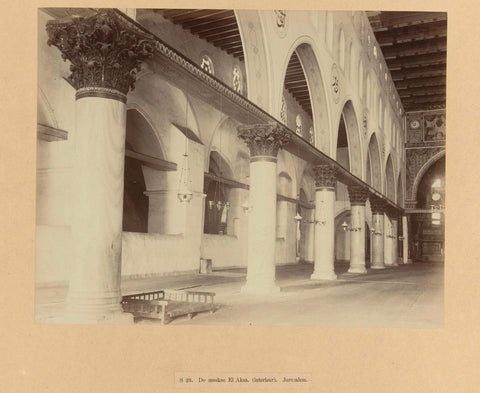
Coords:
pixel 185 194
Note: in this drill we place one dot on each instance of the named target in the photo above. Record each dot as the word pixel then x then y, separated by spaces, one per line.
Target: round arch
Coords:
pixel 353 138
pixel 141 133
pixel 423 169
pixel 225 142
pixel 375 163
pixel 306 51
pixel 256 60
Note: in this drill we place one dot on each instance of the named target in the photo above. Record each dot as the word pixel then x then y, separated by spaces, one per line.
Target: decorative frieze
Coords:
pixel 105 51
pixel 325 176
pixel 264 139
pixel 358 195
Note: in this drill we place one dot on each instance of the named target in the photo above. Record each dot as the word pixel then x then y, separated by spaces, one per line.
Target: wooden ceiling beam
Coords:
pixel 193 15
pixel 235 38
pixel 213 25
pixel 415 47
pixel 207 34
pixel 439 69
pixel 169 14
pixel 221 15
pixel 296 82
pixel 391 19
pixel 424 60
pixel 421 91
pixel 420 31
pixel 233 45
pixel 233 49
pixel 425 100
pixel 419 82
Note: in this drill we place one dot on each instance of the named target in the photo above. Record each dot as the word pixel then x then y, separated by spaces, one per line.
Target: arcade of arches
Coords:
pixel 253 139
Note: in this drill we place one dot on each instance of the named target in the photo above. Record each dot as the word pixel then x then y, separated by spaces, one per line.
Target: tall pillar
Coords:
pixel 358 196
pixel 377 205
pixel 105 51
pixel 264 141
pixel 406 256
pixel 395 239
pixel 389 240
pixel 324 251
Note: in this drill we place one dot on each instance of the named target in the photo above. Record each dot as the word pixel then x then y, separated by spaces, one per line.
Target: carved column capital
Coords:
pixel 358 195
pixel 325 176
pixel 264 140
pixel 105 50
pixel 377 204
pixel 393 214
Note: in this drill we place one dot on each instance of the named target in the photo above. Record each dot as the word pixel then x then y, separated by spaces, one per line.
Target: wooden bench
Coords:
pixel 168 304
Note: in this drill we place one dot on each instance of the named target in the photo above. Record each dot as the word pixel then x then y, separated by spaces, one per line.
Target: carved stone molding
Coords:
pixel 264 139
pixel 105 50
pixel 377 204
pixel 325 176
pixel 358 195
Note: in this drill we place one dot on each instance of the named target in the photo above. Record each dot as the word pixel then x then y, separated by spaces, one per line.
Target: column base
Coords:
pixel 377 267
pixel 408 262
pixel 391 264
pixel 259 288
pixel 357 269
pixel 323 276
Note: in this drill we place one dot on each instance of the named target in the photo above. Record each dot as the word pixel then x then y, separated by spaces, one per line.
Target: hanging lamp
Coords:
pixel 185 194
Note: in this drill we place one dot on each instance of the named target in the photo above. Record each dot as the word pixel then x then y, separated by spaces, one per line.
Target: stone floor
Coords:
pixel 407 296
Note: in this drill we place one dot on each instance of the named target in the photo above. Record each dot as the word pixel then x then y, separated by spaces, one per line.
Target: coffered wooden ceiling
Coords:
pixel 219 27
pixel 414 45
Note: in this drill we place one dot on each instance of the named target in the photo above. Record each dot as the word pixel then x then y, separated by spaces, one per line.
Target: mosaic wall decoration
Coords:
pixel 207 64
pixel 426 127
pixel 298 125
pixel 434 127
pixel 335 82
pixel 281 22
pixel 237 80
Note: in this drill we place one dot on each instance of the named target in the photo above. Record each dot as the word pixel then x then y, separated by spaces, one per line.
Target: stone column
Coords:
pixel 264 141
pixel 324 251
pixel 389 240
pixel 378 207
pixel 394 218
pixel 406 257
pixel 105 51
pixel 358 196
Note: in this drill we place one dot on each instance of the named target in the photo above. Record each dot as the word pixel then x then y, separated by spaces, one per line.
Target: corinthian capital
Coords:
pixel 264 139
pixel 105 50
pixel 325 175
pixel 377 204
pixel 358 195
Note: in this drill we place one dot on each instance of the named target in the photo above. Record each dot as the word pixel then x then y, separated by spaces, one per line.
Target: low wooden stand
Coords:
pixel 168 304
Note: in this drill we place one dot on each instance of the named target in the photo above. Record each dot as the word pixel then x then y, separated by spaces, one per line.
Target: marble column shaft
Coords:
pixel 102 82
pixel 264 141
pixel 377 205
pixel 358 196
pixel 324 251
